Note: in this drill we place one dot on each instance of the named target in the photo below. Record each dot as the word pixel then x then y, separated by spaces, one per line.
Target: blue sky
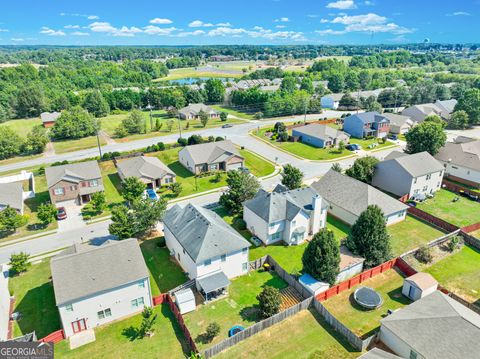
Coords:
pixel 185 22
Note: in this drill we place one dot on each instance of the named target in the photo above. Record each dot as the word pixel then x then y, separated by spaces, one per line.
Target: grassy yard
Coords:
pixel 461 213
pixel 233 112
pixel 191 72
pixel 340 229
pixel 258 166
pixel 304 335
pixel 238 308
pixel 35 300
pixel 364 322
pixel 22 126
pixel 111 183
pixel 77 145
pixel 410 234
pixel 117 340
pixel 366 143
pixel 165 273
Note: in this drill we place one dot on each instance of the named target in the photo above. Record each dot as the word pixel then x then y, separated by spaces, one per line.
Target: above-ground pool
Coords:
pixel 234 330
pixel 367 298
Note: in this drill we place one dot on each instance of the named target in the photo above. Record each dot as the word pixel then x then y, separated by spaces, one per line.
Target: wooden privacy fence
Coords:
pixel 434 243
pixel 471 240
pixel 320 122
pixel 257 263
pixel 471 228
pixel 290 279
pixel 181 323
pixel 159 299
pixel 256 328
pixel 469 305
pixel 54 337
pixel 427 217
pixel 455 187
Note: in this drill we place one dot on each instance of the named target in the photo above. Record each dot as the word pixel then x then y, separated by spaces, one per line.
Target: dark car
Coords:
pixel 393 137
pixel 353 147
pixel 61 213
pixel 227 125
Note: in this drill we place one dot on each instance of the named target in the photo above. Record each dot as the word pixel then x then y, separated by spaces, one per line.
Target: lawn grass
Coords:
pixel 304 335
pixel 410 234
pixel 366 143
pixel 191 72
pixel 19 159
pixel 111 182
pixel 35 300
pixel 238 308
pixel 77 145
pixel 459 273
pixel 117 340
pixel 460 213
pixel 233 112
pixel 364 322
pixel 22 126
pixel 165 273
pixel 258 166
pixel 340 229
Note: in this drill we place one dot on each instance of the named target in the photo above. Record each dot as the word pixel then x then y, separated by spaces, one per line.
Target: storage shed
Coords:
pixel 312 285
pixel 185 300
pixel 419 285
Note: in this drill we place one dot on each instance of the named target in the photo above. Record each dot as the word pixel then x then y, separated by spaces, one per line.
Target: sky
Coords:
pixel 207 22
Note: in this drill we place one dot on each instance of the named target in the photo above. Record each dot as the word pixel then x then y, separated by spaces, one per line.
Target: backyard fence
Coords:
pixel 54 337
pixel 320 122
pixel 436 242
pixel 459 299
pixel 181 323
pixel 290 279
pixel 471 228
pixel 456 187
pixel 471 240
pixel 256 328
pixel 427 217
pixel 257 263
pixel 159 299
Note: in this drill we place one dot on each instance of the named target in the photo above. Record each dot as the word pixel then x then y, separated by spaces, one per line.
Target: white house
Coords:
pixel 95 285
pixel 4 303
pixel 331 101
pixel 419 285
pixel 417 175
pixel 347 198
pixel 13 191
pixel 208 249
pixel 282 215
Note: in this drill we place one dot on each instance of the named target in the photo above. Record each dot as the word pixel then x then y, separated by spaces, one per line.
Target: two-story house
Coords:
pixel 367 124
pixel 282 215
pixel 73 183
pixel 95 285
pixel 208 249
pixel 417 175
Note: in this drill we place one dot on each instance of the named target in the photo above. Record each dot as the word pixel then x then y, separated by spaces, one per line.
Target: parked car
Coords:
pixel 393 137
pixel 227 125
pixel 353 147
pixel 61 213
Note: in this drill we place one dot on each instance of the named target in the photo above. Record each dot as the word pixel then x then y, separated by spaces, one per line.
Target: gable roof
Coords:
pixel 195 108
pixel 437 326
pixel 212 152
pixel 354 196
pixel 281 205
pixel 417 164
pixel 398 120
pixel 11 194
pixel 425 109
pixel 74 172
pixel 447 105
pixel 49 116
pixel 84 270
pixel 465 153
pixel 422 280
pixel 377 353
pixel 368 117
pixel 320 131
pixel 202 233
pixel 142 166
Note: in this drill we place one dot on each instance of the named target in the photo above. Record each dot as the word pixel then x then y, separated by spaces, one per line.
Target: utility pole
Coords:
pixel 98 140
pixel 305 112
pixel 179 125
pixel 358 100
pixel 151 116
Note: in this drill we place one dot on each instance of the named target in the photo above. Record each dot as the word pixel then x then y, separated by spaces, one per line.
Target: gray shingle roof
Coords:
pixel 212 152
pixel 277 206
pixel 376 353
pixel 84 270
pixel 320 131
pixel 397 120
pixel 465 154
pixel 49 116
pixel 11 194
pixel 195 108
pixel 369 117
pixel 142 166
pixel 74 172
pixel 418 164
pixel 354 196
pixel 202 233
pixel 448 105
pixel 437 326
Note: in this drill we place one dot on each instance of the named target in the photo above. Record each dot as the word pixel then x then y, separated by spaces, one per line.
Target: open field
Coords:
pixel 232 112
pixel 77 145
pixel 258 166
pixel 460 213
pixel 304 335
pixel 22 126
pixel 364 322
pixel 238 308
pixel 191 72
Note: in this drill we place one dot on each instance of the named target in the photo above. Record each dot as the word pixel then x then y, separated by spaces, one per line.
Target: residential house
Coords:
pixel 289 216
pixel 443 109
pixel 208 249
pixel 73 183
pixel 321 136
pixel 434 327
pixel 95 285
pixel 348 198
pixel 4 302
pixel 377 353
pixel 367 124
pixel 11 195
pixel 417 175
pixel 331 101
pixel 461 159
pixel 211 156
pixel 192 111
pixel 399 124
pixel 49 118
pixel 149 170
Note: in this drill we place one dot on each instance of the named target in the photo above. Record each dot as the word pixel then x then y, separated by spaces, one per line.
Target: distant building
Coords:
pixel 367 124
pixel 49 118
pixel 320 136
pixel 220 58
pixel 331 101
pixel 15 189
pixel 443 109
pixel 192 112
pixel 399 124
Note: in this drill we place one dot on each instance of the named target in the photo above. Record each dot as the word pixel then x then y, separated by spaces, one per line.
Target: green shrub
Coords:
pixel 424 254
pixel 453 243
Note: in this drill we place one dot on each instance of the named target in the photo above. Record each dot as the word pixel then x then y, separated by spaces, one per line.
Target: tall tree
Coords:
pixel 292 177
pixel 459 120
pixel 10 143
pixel 470 103
pixel 307 85
pixel 123 222
pixel 132 188
pixel 30 101
pixel 363 169
pixel 134 122
pixel 96 104
pixel 36 141
pixel 289 84
pixel 269 301
pixel 215 90
pixel 10 220
pixel 47 213
pixel 428 136
pixel 74 123
pixel 241 187
pixel 203 118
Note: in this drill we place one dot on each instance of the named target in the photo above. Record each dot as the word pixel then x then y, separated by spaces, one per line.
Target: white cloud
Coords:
pixel 160 21
pixel 312 16
pixel 105 27
pixel 89 17
pixel 93 17
pixel 161 31
pixel 200 23
pixel 368 3
pixel 257 32
pixel 282 19
pixel 329 32
pixel 191 33
pixel 102 27
pixel 17 39
pixel 459 13
pixel 360 19
pixel 4 30
pixel 280 27
pixel 79 33
pixel 50 32
pixel 323 21
pixel 342 4
pixel 72 26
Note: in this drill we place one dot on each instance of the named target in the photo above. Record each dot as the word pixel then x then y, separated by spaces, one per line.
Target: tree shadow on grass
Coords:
pixel 250 314
pixel 131 333
pixel 166 312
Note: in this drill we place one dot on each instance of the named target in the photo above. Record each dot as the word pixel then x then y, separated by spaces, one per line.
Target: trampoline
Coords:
pixel 234 330
pixel 367 298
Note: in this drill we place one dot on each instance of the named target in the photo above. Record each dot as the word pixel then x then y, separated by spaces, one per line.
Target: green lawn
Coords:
pixel 366 143
pixel 35 300
pixel 165 273
pixel 258 166
pixel 77 145
pixel 459 273
pixel 22 126
pixel 340 229
pixel 233 112
pixel 191 72
pixel 238 308
pixel 304 335
pixel 410 234
pixel 460 213
pixel 111 182
pixel 364 322
pixel 117 340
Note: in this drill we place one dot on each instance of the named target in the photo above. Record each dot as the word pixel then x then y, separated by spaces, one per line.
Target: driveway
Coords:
pixel 74 218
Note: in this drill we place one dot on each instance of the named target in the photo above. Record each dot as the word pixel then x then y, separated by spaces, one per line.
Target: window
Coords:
pixel 73 188
pixel 141 284
pixel 456 168
pixel 415 180
pixel 104 313
pixel 137 302
pixel 276 236
pixel 59 191
pixel 223 257
pixel 413 354
pixel 168 180
pixel 178 256
pixel 416 191
pixel 424 188
pixel 244 266
pixel 213 167
pixel 69 308
pixel 244 250
pixel 93 183
pixel 207 262
pixel 294 223
pixel 429 176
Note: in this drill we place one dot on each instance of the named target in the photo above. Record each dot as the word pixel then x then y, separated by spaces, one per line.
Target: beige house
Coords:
pixel 212 156
pixel 192 111
pixel 73 183
pixel 150 170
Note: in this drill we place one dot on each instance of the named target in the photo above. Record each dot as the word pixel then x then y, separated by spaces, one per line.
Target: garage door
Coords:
pixel 68 203
pixel 235 166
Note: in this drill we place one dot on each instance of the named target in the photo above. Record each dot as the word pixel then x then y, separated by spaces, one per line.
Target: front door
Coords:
pixel 79 326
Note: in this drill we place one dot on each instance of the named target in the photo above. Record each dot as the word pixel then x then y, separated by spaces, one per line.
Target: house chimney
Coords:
pixel 316 217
